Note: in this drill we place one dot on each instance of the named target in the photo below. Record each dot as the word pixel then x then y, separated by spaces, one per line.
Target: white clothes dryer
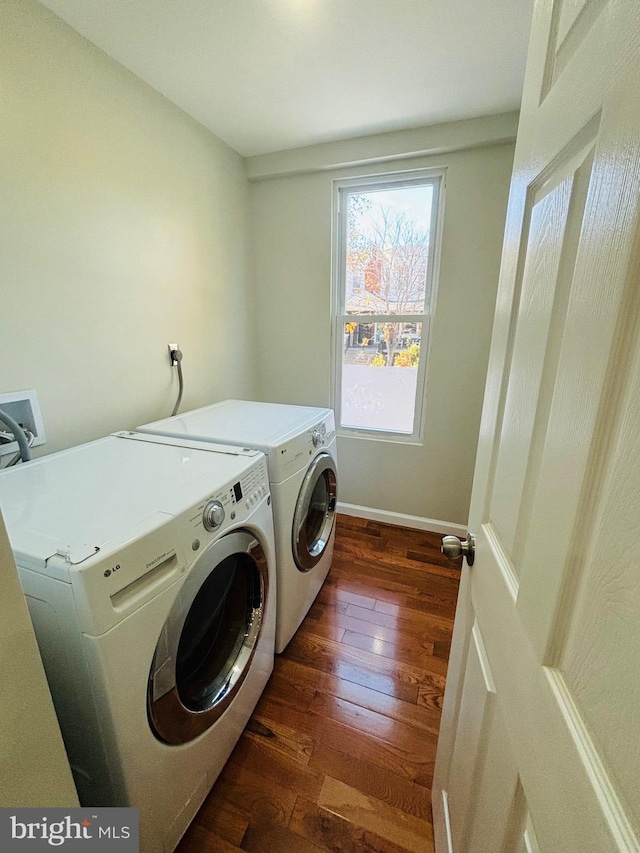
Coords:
pixel 300 445
pixel 148 567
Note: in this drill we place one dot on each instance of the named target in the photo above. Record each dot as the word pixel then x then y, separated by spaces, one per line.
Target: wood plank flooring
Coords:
pixel 338 755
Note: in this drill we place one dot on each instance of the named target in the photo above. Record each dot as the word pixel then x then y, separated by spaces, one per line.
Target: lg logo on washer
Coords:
pixel 109 572
pixel 41 829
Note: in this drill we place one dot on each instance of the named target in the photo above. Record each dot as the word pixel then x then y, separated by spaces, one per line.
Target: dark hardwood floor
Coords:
pixel 338 755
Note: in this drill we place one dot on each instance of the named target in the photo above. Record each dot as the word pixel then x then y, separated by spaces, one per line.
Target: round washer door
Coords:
pixel 208 641
pixel 315 512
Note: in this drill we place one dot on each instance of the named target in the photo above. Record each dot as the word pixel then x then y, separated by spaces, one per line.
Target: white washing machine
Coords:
pixel 300 445
pixel 148 566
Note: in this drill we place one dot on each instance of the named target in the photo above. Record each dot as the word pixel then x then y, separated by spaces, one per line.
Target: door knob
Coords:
pixel 452 547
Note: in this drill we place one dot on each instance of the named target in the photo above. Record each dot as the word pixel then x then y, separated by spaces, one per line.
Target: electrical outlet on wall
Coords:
pixel 172 349
pixel 24 408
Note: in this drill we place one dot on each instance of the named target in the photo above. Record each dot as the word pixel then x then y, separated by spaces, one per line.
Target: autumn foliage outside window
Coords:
pixel 384 284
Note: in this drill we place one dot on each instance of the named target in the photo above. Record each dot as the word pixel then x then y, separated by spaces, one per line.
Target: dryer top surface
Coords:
pixel 242 422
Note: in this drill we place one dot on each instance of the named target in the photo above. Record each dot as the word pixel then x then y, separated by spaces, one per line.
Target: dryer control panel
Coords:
pixel 323 433
pixel 294 454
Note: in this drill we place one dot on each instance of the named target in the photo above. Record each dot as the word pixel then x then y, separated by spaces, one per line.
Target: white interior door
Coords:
pixel 540 740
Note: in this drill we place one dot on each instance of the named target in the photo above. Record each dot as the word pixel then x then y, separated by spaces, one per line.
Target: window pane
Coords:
pixel 387 252
pixel 379 375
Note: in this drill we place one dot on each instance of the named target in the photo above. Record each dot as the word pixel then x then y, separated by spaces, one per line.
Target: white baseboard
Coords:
pixel 415 521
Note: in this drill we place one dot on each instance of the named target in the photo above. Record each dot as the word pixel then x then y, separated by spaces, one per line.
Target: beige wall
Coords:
pixel 123 227
pixel 291 239
pixel 34 770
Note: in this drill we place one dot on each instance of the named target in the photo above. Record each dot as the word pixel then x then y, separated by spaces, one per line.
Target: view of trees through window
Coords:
pixel 385 298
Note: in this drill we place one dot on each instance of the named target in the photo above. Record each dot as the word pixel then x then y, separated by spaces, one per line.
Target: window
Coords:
pixel 384 272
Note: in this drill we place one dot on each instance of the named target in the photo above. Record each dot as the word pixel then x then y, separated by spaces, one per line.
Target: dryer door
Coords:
pixel 315 512
pixel 208 642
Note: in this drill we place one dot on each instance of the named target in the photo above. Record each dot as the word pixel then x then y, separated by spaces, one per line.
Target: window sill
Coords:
pixel 386 437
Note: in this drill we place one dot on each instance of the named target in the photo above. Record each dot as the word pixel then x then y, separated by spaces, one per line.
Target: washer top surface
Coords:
pixel 262 425
pixel 88 493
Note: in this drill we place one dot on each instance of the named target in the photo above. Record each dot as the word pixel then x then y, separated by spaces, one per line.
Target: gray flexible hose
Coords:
pixel 18 434
pixel 177 355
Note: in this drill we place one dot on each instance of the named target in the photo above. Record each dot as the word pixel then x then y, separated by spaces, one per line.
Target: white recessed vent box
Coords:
pixel 24 408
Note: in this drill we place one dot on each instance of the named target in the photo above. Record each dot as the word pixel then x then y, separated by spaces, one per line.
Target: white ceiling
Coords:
pixel 268 75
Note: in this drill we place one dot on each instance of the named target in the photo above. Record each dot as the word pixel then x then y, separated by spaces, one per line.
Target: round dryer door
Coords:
pixel 315 512
pixel 209 639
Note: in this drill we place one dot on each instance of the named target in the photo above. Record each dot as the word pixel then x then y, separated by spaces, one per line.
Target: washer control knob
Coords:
pixel 316 437
pixel 213 515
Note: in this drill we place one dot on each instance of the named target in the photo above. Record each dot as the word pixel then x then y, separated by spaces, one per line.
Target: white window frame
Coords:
pixel 341 188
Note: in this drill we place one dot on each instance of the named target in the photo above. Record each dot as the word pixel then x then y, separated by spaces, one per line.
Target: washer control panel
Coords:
pixel 213 515
pixel 253 487
pixel 234 502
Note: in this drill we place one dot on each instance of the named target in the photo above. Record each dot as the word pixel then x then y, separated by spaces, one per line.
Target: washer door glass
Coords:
pixel 315 512
pixel 207 644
